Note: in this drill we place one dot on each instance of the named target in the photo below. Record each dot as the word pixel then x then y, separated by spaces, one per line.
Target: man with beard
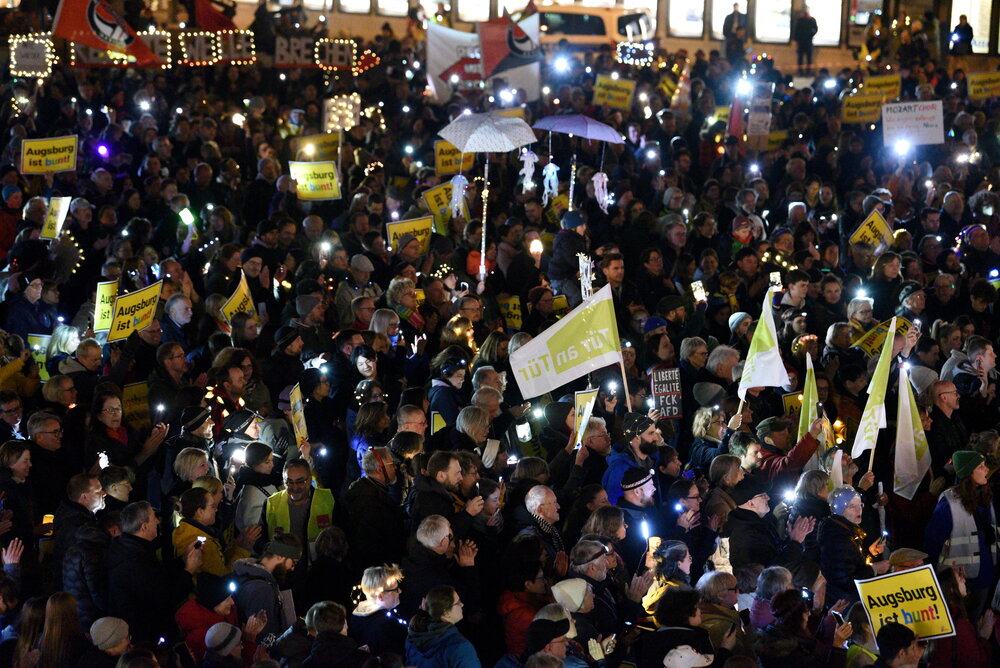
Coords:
pixel 438 493
pixel 261 581
pixel 639 449
pixel 300 509
pixel 636 502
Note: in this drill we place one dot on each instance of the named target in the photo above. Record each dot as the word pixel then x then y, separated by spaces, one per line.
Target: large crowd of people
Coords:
pixel 434 516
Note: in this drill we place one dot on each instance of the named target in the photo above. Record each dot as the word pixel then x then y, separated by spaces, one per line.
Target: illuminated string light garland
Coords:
pixel 320 46
pixel 636 54
pixel 35 40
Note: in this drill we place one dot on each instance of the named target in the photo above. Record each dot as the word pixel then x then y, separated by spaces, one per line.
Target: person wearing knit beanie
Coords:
pixel 575 594
pixel 304 306
pixel 223 640
pixel 966 462
pixel 110 635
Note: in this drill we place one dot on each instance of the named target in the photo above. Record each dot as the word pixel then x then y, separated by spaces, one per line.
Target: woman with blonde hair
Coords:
pixel 402 299
pixel 212 320
pixel 723 474
pixel 374 622
pixel 62 643
pixel 711 434
pixel 718 593
pixel 65 339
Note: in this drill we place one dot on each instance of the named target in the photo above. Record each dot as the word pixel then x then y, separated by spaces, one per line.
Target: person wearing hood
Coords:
pixel 284 366
pixel 374 622
pixel 840 540
pixel 639 449
pixel 433 640
pixel 213 604
pixel 255 482
pixel 261 581
pixel 446 394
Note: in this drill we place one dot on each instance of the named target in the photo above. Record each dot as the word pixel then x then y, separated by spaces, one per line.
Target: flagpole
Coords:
pixel 628 395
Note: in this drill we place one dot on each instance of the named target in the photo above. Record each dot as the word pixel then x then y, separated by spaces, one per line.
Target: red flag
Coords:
pixel 211 19
pixel 504 45
pixel 96 24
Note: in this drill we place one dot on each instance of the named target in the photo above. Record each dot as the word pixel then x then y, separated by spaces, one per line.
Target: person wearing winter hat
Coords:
pixel 636 501
pixel 843 557
pixel 224 646
pixel 316 339
pixel 559 421
pixel 739 329
pixel 111 639
pixel 196 432
pixel 639 449
pixel 213 604
pixel 357 283
pixel 754 540
pixel 953 535
pixel 27 312
pixel 564 264
pixel 284 366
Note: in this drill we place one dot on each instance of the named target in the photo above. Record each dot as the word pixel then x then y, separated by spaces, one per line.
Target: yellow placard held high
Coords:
pixel 615 93
pixel 315 180
pixel 911 598
pixel 39 343
pixel 318 147
pixel 135 406
pixel 134 312
pixel 888 87
pixel 861 108
pixel 449 160
pixel 55 216
pixel 510 307
pixel 49 156
pixel 438 200
pixel 241 301
pixel 984 85
pixel 584 402
pixel 104 305
pixel 421 228
pixel 874 230
pixel 298 416
pixel 872 340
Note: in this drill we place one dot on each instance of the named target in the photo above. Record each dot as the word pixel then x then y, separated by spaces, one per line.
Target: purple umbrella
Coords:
pixel 579 125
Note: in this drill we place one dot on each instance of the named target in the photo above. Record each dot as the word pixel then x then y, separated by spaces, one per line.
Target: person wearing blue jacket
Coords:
pixel 711 435
pixel 639 449
pixel 446 394
pixel 432 640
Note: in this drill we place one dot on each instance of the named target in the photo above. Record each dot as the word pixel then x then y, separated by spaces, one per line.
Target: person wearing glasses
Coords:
pixel 109 436
pixel 374 622
pixel 53 464
pixel 718 593
pixel 433 639
pixel 948 432
pixel 711 435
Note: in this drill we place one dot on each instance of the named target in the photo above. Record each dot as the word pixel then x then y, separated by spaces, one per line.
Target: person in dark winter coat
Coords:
pixel 375 622
pixel 332 647
pixel 142 590
pixel 377 531
pixel 564 264
pixel 793 641
pixel 260 582
pixel 435 558
pixel 84 574
pixel 811 501
pixel 446 395
pixel 437 493
pixel 74 513
pixel 753 536
pixel 110 638
pixel 840 539
pixel 432 640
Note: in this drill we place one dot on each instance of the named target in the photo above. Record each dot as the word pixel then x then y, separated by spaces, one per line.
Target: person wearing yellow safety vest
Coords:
pixel 299 509
pixel 963 529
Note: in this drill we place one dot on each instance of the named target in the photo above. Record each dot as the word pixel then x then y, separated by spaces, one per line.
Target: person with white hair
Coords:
pixel 543 507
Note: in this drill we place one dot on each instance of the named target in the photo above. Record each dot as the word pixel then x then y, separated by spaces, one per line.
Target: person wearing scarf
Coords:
pixel 543 507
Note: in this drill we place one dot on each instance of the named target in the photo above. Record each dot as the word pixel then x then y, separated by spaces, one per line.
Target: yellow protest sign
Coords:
pixel 135 406
pixel 315 181
pixel 39 344
pixel 48 156
pixel 104 305
pixel 792 403
pixel 583 402
pixel 872 340
pixel 874 230
pixel 775 138
pixel 554 212
pixel 722 113
pixel 861 109
pixel 984 85
pixel 134 312
pixel 449 160
pixel 888 86
pixel 560 306
pixel 516 112
pixel 911 598
pixel 438 201
pixel 667 87
pixel 437 422
pixel 318 147
pixel 55 216
pixel 421 228
pixel 241 301
pixel 298 415
pixel 615 93
pixel 510 307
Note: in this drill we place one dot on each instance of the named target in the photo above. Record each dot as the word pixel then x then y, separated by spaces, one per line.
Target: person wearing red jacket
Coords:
pixel 212 604
pixel 779 461
pixel 526 593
